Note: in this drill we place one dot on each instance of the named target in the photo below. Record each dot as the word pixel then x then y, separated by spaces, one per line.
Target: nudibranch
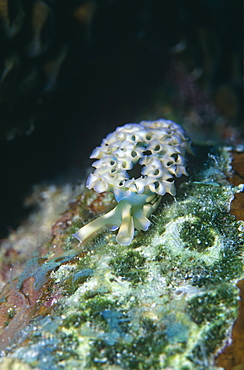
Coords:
pixel 138 162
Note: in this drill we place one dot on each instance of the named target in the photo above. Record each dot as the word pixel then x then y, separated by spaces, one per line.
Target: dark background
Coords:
pixel 98 65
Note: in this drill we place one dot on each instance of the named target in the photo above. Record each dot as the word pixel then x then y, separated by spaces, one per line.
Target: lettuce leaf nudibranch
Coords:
pixel 138 163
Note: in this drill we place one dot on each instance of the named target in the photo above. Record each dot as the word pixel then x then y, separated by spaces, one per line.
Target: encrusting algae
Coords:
pixel 166 300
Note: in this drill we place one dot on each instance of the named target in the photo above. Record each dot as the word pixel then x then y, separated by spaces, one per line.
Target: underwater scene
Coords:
pixel 122 187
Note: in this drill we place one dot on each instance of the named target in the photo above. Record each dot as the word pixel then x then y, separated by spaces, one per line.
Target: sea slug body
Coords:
pixel 138 163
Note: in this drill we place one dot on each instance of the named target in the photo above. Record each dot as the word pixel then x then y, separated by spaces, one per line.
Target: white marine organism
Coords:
pixel 138 162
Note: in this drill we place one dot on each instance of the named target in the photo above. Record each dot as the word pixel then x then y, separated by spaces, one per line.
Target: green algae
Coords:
pixel 166 301
pixel 196 235
pixel 11 313
pixel 206 307
pixel 140 354
pixel 129 266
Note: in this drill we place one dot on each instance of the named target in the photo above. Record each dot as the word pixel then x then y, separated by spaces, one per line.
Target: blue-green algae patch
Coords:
pixel 167 301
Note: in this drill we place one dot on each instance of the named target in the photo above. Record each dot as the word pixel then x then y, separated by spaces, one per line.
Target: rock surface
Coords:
pixel 167 301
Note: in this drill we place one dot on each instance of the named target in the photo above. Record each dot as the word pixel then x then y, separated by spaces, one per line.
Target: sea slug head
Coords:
pixel 138 163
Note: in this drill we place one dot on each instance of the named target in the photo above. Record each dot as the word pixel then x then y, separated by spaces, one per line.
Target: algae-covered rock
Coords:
pixel 166 301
